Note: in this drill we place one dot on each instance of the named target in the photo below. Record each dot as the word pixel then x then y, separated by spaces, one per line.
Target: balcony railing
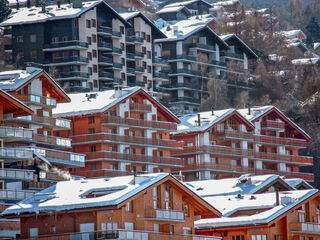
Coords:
pixel 106 75
pixel 10 132
pixel 116 34
pixel 65 60
pixel 160 75
pixel 134 39
pixel 102 173
pixel 138 54
pixel 280 157
pixel 164 215
pixel 139 69
pixel 140 107
pixel 72 75
pixel 66 44
pixel 186 99
pixel 160 61
pixel 50 121
pixel 84 139
pixel 232 55
pixel 280 141
pixel 52 140
pixel 116 50
pixel 21 174
pixel 311 228
pixel 139 122
pixel 193 86
pixel 203 46
pixel 105 45
pixel 121 234
pixel 16 195
pixel 111 156
pixel 104 30
pixel 16 153
pixel 35 99
pixel 117 65
pixel 131 70
pixel 130 56
pixel 189 72
pixel 36 185
pixel 103 60
pixel 273 124
pixel 234 134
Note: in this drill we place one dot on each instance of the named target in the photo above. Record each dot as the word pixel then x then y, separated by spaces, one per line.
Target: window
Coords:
pixel 94 38
pixel 92 130
pixel 144 50
pixel 91 120
pixel 64 38
pixel 95 68
pixel 75 22
pixel 20 39
pixel 168 197
pixel 156 197
pixel 190 160
pixel 93 149
pixel 54 230
pixel 143 35
pixel 21 54
pixel 88 23
pixel 171 229
pixel 186 209
pixel 122 46
pixel 93 23
pixel 95 83
pixel 149 69
pixel 90 70
pixel 33 53
pixel 34 232
pixel 94 53
pixel 258 237
pixel 33 38
pixel 144 64
pixel 148 38
pixel 66 54
pixel 93 167
pixel 129 206
pixel 156 227
pixel 89 55
pixel 123 61
pixel 149 54
pixel 238 237
pixel 122 29
pixel 89 40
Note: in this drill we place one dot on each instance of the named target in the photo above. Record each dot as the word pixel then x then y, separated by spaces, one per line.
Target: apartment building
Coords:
pixel 149 206
pixel 141 62
pixel 229 143
pixel 83 45
pixel 121 131
pixel 290 215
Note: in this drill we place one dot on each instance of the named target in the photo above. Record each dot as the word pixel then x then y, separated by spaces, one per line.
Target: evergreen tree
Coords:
pixel 313 31
pixel 4 10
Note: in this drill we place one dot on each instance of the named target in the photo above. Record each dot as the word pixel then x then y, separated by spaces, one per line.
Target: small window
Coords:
pixel 65 38
pixel 144 50
pixel 144 64
pixel 75 22
pixel 33 38
pixel 94 53
pixel 149 54
pixel 148 38
pixel 186 209
pixel 122 29
pixel 92 130
pixel 95 68
pixel 93 149
pixel 90 70
pixel 19 39
pixel 34 232
pixel 91 120
pixel 143 35
pixel 89 40
pixel 89 55
pixel 129 206
pixel 21 54
pixel 94 38
pixel 95 83
pixel 33 53
pixel 122 46
pixel 149 69
pixel 88 23
pixel 93 23
pixel 93 167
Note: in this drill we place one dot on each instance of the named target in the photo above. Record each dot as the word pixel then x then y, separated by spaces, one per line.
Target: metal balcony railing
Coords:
pixel 161 75
pixel 10 132
pixel 313 228
pixel 104 30
pixel 162 214
pixel 139 122
pixel 52 154
pixel 66 44
pixel 159 61
pixel 16 153
pixel 70 59
pixel 234 134
pixel 102 173
pixel 16 195
pixel 50 121
pixel 105 60
pixel 62 75
pixel 203 46
pixel 105 45
pixel 52 140
pixel 20 174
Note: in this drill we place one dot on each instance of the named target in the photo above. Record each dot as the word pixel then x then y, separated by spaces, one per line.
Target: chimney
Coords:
pixel 59 4
pixel 43 7
pixel 212 110
pixel 175 30
pixel 277 197
pixel 17 6
pixel 117 91
pixel 199 120
pixel 28 3
pixel 249 109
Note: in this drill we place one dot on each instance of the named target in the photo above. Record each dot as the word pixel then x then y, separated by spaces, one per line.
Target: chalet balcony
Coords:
pixel 65 45
pixel 131 140
pixel 37 186
pixel 160 76
pixel 138 123
pixel 38 100
pixel 215 149
pixel 272 140
pixel 16 174
pixel 11 134
pixel 133 158
pixel 101 173
pixel 134 39
pixel 64 158
pixel 301 160
pixel 140 107
pixel 269 124
pixel 203 47
pixel 236 56
pixel 105 61
pixel 121 234
pixel 62 61
pixel 234 135
pixel 105 31
pixel 55 123
pixel 305 228
pixel 164 215
pixel 16 154
pixel 104 46
pixel 52 141
pixel 64 76
pixel 15 195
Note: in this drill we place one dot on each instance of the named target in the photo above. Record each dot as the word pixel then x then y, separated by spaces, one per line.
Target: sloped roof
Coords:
pixel 232 186
pixel 305 61
pixel 23 108
pixel 35 14
pixel 189 123
pixel 231 204
pixel 185 3
pixel 172 9
pixel 296 182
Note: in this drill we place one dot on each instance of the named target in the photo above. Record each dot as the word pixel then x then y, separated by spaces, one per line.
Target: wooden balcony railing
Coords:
pixel 17 195
pixel 52 140
pixel 36 185
pixel 273 124
pixel 63 156
pixel 21 174
pixel 10 132
pixel 313 228
pixel 217 149
pixel 84 139
pixel 53 122
pixel 280 140
pixel 101 173
pixel 16 153
pixel 140 107
pixel 124 235
pixel 234 134
pixel 288 158
pixel 36 99
pixel 139 122
pixel 162 214
pixel 134 158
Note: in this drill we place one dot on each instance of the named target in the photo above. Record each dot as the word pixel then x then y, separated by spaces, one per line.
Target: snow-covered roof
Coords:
pixel 295 182
pixel 230 36
pixel 233 186
pixel 184 28
pixel 305 61
pixel 189 123
pixel 230 204
pixel 257 112
pixel 293 33
pixel 184 3
pixel 67 195
pixel 316 45
pixel 167 9
pixel 35 14
pixel 226 3
pixel 82 104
